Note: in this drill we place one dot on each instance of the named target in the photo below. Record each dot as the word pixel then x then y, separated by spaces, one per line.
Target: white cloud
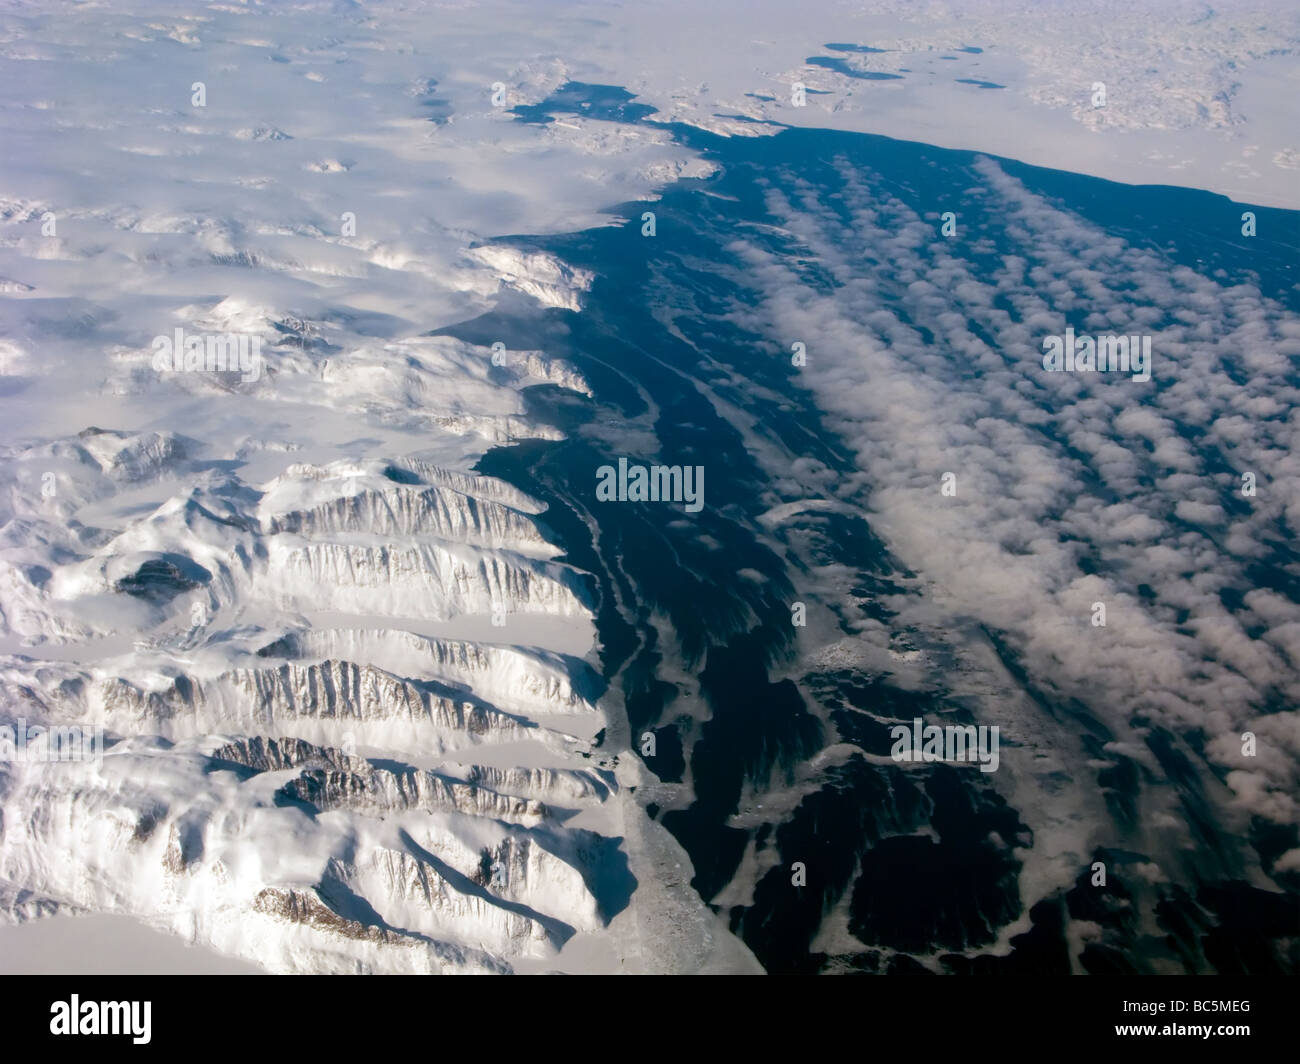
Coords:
pixel 1048 465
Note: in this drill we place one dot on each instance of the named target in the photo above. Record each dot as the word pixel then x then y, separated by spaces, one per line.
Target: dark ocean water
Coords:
pixel 902 855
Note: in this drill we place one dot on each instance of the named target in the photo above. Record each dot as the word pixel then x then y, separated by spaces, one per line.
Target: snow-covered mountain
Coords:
pixel 256 792
pixel 350 720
